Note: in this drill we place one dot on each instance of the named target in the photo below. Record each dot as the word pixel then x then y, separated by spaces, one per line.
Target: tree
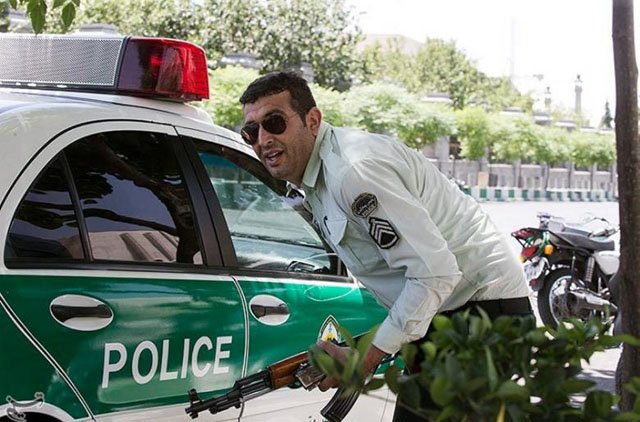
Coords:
pixel 518 143
pixel 474 132
pixel 552 146
pixel 498 93
pixel 227 85
pixel 391 110
pixel 37 11
pixel 441 67
pixel 233 26
pixel 282 33
pixel 155 18
pixel 322 33
pixel 334 106
pixel 387 63
pixel 588 149
pixel 628 150
pixel 4 16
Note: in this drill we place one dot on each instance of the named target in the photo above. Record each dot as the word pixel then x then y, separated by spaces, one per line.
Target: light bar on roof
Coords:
pixel 149 67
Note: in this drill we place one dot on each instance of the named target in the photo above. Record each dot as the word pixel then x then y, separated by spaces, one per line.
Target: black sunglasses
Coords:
pixel 275 124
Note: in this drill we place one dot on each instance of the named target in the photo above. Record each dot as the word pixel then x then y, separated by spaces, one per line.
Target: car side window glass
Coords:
pixel 267 227
pixel 134 198
pixel 45 225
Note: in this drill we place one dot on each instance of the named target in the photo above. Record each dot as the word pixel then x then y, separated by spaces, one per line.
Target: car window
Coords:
pixel 133 198
pixel 45 224
pixel 267 226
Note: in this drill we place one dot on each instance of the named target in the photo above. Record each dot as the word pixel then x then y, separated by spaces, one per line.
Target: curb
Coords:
pixel 520 194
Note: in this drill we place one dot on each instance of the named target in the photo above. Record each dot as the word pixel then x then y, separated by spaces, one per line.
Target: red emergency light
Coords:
pixel 160 67
pixel 147 67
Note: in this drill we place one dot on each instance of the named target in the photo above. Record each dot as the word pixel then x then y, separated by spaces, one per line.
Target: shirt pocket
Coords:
pixel 354 247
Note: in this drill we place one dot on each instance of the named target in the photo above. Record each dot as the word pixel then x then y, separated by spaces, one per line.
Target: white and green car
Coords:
pixel 145 251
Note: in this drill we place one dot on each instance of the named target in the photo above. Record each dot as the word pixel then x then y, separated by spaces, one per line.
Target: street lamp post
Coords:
pixel 547 101
pixel 578 89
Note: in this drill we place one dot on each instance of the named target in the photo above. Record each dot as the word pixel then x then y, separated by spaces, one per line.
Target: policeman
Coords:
pixel 418 243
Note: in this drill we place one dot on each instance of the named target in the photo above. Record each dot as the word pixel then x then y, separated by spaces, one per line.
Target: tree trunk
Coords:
pixel 628 151
pixel 546 174
pixel 4 16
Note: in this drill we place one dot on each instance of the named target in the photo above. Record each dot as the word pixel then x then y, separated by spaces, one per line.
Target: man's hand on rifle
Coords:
pixel 371 361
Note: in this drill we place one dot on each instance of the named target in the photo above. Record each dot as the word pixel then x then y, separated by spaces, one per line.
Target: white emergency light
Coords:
pixel 149 67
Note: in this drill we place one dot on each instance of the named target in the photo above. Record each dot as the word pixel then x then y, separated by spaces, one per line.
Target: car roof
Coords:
pixel 30 118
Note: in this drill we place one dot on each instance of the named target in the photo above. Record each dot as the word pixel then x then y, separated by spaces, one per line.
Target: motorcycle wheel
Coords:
pixel 552 303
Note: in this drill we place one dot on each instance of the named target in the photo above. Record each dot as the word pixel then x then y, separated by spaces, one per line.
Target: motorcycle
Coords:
pixel 570 265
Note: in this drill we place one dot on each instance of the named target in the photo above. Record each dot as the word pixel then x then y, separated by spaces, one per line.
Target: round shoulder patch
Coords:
pixel 364 205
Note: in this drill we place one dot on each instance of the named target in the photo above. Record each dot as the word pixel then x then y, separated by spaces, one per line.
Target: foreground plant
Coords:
pixel 475 369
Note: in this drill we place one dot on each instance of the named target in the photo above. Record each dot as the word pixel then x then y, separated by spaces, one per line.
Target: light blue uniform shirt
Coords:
pixel 435 249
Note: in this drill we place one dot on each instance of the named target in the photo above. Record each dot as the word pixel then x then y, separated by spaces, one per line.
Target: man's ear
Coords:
pixel 313 120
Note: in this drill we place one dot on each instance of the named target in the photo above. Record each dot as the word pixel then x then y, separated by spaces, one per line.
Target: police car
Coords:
pixel 145 251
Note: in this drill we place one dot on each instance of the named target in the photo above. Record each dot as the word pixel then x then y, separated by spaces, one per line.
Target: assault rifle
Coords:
pixel 287 372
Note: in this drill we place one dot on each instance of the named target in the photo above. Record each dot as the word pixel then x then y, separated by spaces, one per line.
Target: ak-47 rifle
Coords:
pixel 287 372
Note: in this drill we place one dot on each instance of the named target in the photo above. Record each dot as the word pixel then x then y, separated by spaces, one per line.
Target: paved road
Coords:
pixel 510 216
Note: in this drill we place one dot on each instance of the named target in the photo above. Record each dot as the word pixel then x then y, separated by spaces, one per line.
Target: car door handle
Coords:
pixel 269 310
pixel 64 312
pixel 79 312
pixel 262 310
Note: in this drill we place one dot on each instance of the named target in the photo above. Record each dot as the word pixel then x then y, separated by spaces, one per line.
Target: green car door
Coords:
pixel 296 288
pixel 109 276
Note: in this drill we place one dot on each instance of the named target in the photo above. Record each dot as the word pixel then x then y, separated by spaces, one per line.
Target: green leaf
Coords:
pixel 37 11
pixel 68 14
pixel 448 413
pixel 537 337
pixel 350 367
pixel 633 386
pixel 475 326
pixel 364 342
pixel 573 385
pixel 373 384
pixel 391 378
pixel 628 417
pixel 598 403
pixel 410 393
pixel 322 360
pixel 491 369
pixel 58 3
pixel 409 352
pixel 14 4
pixel 453 368
pixel 441 322
pixel 474 384
pixel 346 335
pixel 628 339
pixel 429 349
pixel 511 391
pixel 441 391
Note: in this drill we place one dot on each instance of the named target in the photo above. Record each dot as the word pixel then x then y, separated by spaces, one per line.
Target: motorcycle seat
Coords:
pixel 591 243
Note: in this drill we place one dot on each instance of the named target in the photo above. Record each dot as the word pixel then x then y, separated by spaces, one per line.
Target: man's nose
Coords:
pixel 264 137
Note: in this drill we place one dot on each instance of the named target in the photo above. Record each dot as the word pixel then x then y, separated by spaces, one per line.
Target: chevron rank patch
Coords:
pixel 364 205
pixel 382 232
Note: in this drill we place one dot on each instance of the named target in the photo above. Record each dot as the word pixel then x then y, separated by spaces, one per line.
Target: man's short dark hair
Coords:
pixel 276 82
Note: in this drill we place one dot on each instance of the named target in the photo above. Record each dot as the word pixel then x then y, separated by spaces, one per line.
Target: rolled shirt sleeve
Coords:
pixel 421 252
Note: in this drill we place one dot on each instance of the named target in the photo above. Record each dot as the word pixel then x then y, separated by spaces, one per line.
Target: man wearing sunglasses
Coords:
pixel 418 243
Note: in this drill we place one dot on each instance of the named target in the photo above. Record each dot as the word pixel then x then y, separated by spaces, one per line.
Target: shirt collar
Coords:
pixel 310 176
